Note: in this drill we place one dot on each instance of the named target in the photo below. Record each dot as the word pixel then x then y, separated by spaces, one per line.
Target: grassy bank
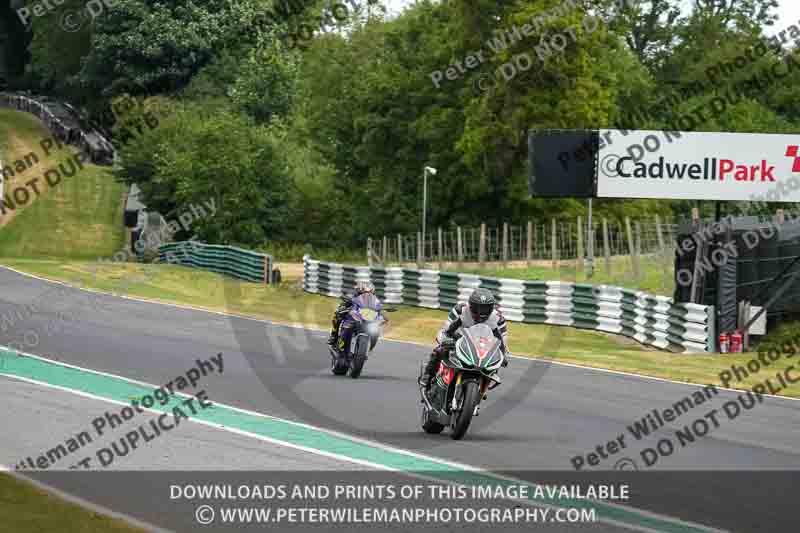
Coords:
pixel 294 251
pixel 656 273
pixel 289 304
pixel 26 509
pixel 79 217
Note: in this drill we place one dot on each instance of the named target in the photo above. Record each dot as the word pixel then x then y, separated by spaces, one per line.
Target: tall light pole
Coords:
pixel 425 172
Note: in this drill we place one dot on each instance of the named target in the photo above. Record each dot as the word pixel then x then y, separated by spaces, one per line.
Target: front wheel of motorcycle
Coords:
pixel 470 396
pixel 356 367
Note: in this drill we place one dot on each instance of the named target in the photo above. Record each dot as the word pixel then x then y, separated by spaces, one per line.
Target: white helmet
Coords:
pixel 363 287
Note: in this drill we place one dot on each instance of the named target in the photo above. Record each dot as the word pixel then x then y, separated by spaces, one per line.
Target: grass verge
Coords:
pixel 656 277
pixel 27 509
pixel 78 218
pixel 287 303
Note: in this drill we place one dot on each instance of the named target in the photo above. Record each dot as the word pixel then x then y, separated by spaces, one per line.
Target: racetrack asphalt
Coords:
pixel 537 421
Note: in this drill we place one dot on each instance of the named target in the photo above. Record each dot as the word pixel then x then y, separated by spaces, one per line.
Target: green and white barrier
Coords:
pixel 649 319
pixel 243 264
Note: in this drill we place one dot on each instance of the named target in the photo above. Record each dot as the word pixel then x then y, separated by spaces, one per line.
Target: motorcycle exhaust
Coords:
pixel 425 399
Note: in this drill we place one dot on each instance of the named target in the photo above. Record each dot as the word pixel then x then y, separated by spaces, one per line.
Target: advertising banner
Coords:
pixel 699 166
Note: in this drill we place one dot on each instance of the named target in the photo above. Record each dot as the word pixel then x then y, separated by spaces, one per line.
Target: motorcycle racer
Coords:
pixel 361 287
pixel 480 308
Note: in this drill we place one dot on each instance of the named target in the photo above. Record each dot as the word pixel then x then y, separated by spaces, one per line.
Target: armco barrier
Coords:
pixel 64 124
pixel 651 320
pixel 243 264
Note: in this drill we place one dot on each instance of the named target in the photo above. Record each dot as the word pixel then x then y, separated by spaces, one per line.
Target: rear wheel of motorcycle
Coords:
pixel 429 425
pixel 469 399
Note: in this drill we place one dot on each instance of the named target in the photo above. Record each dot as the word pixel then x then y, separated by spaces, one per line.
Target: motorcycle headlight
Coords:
pixel 368 314
pixel 373 329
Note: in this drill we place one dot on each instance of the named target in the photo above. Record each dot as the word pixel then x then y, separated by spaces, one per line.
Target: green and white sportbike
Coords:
pixel 465 375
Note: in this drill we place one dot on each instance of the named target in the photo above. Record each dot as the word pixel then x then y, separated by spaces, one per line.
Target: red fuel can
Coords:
pixel 736 342
pixel 724 343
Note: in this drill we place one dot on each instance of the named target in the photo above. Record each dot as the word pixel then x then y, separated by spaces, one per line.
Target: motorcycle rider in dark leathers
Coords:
pixel 361 287
pixel 481 308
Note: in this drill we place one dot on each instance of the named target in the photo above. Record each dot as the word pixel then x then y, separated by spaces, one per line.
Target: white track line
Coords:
pixel 311 328
pixel 229 429
pixel 367 442
pixel 331 432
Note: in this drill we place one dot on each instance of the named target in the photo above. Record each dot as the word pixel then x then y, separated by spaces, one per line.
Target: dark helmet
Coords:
pixel 481 305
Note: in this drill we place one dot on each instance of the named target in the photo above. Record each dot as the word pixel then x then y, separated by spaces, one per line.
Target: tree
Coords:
pixel 144 47
pixel 18 40
pixel 244 173
pixel 57 49
pixel 264 87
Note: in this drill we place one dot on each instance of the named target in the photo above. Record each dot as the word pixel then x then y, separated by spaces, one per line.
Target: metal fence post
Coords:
pixel 632 248
pixel 419 249
pixel 439 247
pixel 460 246
pixel 399 249
pixel 505 243
pixel 579 253
pixel 482 251
pixel 529 244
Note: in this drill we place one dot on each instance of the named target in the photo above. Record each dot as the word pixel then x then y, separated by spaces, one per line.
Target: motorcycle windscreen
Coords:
pixel 478 343
pixel 367 306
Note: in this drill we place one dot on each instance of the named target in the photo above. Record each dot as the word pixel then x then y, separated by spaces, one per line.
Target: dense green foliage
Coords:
pixel 324 143
pixel 242 174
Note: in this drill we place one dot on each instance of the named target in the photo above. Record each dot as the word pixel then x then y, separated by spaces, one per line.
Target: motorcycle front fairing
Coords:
pixel 478 352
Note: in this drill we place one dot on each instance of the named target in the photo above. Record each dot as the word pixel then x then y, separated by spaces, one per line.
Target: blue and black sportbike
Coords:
pixel 358 334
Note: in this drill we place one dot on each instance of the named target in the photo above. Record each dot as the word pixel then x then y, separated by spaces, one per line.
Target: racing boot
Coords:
pixel 334 330
pixel 430 371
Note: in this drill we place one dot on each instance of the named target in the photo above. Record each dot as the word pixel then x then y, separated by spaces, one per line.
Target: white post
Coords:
pixel 590 243
pixel 425 172
pixel 424 206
